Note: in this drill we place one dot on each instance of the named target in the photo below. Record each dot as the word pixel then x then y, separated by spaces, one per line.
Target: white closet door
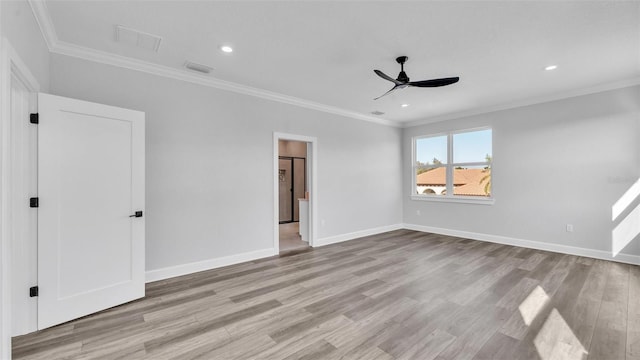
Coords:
pixel 90 181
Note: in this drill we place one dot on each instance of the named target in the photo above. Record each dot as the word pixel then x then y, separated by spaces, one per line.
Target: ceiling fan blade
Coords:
pixel 435 82
pixel 387 77
pixel 393 88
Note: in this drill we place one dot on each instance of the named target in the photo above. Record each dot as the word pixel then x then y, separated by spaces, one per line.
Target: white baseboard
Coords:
pixel 538 245
pixel 354 235
pixel 184 269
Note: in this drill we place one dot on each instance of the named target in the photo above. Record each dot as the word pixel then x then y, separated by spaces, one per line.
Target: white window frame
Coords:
pixel 449 166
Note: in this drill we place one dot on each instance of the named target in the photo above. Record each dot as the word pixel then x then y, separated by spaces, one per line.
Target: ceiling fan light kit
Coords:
pixel 403 81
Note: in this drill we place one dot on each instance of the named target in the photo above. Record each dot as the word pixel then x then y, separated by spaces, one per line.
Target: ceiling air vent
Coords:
pixel 138 38
pixel 204 69
pixel 377 112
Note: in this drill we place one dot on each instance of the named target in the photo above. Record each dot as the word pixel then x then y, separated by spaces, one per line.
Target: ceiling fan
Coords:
pixel 403 80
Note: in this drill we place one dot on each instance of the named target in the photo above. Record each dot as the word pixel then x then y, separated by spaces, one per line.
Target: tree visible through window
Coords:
pixel 454 164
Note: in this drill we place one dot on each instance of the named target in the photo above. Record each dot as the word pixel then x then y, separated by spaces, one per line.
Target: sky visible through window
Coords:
pixel 471 146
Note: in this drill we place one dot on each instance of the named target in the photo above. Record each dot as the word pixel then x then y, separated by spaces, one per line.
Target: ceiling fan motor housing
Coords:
pixel 403 77
pixel 402 59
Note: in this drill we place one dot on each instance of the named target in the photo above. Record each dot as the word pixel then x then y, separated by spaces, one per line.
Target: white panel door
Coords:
pixel 90 181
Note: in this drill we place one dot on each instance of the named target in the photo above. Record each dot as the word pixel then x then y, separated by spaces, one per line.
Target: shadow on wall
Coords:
pixel 626 227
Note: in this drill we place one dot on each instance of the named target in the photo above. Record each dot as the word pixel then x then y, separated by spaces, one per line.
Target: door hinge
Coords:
pixel 136 214
pixel 34 118
pixel 34 202
pixel 33 291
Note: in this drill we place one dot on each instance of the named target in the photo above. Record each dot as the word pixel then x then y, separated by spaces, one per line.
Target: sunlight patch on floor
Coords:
pixel 556 340
pixel 532 305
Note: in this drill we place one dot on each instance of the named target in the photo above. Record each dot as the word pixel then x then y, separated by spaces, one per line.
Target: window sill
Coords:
pixel 457 199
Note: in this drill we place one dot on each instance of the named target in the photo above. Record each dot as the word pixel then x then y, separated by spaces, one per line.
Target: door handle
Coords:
pixel 137 214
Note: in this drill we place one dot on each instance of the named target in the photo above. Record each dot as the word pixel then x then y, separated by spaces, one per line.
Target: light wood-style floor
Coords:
pixel 290 239
pixel 398 295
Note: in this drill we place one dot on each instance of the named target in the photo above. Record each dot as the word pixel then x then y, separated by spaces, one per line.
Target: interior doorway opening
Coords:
pixel 294 192
pixel 293 197
pixel 292 184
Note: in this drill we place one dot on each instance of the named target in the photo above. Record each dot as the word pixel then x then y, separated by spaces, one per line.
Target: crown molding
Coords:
pixel 43 18
pixel 527 102
pixel 41 13
pixel 81 52
pixel 57 46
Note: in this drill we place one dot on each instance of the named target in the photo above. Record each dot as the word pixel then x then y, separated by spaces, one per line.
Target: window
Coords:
pixel 453 167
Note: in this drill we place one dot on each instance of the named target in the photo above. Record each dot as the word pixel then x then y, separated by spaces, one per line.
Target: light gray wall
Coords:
pixel 555 163
pixel 210 156
pixel 19 26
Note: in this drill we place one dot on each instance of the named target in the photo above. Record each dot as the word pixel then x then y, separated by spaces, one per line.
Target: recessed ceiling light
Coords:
pixel 551 67
pixel 226 48
pixel 404 105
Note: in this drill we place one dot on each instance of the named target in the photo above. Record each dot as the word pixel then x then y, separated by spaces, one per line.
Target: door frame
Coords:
pixel 10 64
pixel 311 165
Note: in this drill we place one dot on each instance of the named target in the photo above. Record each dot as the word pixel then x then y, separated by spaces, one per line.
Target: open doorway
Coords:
pixel 293 190
pixel 293 198
pixel 292 181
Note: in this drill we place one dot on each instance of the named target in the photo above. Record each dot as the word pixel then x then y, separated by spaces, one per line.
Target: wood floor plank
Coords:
pixel 468 294
pixel 303 337
pixel 195 345
pixel 243 348
pixel 538 302
pixel 516 295
pixel 297 280
pixel 428 347
pixel 318 350
pixel 57 351
pixel 499 346
pixel 467 345
pixel 322 312
pixel 267 322
pixel 633 322
pixel 208 326
pixel 368 353
pixel 133 336
pixel 43 335
pixel 356 339
pixel 532 261
pixel 398 295
pixel 123 353
pixel 610 334
pixel 474 264
pixel 588 302
pixel 418 326
pixel 551 334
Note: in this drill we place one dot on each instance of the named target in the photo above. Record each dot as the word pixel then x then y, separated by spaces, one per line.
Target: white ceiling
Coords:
pixel 325 51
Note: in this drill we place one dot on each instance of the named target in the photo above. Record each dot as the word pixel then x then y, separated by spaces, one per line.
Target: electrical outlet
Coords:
pixel 569 227
pixel 418 212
